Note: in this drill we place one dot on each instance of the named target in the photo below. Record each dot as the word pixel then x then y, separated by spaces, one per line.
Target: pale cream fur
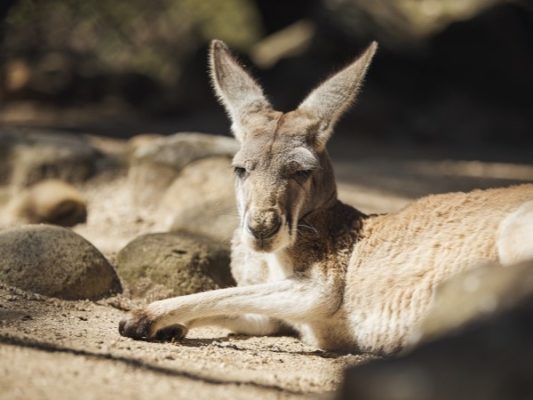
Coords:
pixel 302 259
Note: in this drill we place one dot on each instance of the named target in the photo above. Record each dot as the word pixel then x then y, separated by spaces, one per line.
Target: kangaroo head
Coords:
pixel 282 169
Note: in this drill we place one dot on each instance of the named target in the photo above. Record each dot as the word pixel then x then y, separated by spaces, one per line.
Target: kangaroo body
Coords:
pixel 303 259
pixel 381 270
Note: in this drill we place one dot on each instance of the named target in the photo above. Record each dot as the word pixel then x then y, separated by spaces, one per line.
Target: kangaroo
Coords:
pixel 345 281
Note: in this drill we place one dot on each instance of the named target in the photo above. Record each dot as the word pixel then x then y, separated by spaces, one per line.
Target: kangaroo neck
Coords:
pixel 326 230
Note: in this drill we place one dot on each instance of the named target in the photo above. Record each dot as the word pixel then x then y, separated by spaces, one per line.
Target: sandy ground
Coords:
pixel 73 348
pixel 53 349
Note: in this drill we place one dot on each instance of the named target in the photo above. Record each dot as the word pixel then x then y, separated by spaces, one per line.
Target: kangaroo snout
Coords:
pixel 263 224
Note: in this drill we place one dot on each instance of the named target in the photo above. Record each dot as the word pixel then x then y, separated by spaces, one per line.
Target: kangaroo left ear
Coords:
pixel 333 97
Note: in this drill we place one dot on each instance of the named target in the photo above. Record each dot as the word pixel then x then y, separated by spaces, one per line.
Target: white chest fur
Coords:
pixel 279 266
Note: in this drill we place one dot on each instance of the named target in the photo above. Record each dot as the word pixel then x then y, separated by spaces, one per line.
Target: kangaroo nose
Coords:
pixel 264 225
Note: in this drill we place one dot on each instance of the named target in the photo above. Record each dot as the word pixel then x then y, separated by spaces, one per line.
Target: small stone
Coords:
pixel 50 201
pixel 174 264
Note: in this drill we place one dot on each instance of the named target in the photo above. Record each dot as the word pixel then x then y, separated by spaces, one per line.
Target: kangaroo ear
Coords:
pixel 333 97
pixel 236 89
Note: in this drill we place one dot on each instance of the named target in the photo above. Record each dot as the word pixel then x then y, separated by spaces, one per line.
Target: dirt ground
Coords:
pixel 62 349
pixel 53 349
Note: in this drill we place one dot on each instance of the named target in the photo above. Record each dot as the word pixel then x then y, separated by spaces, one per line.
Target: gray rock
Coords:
pixel 181 263
pixel 56 262
pixel 202 200
pixel 28 157
pixel 156 162
pixel 484 353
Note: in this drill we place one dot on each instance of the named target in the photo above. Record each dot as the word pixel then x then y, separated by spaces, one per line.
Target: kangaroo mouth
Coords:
pixel 277 241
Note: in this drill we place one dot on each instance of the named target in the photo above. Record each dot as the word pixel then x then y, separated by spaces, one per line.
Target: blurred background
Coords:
pixel 448 72
pixel 91 93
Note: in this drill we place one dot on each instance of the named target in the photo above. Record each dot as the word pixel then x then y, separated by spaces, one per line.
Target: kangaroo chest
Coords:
pixel 279 266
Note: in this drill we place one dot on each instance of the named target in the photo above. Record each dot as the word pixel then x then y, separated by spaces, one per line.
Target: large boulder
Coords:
pixel 479 345
pixel 473 296
pixel 402 22
pixel 56 262
pixel 156 161
pixel 202 200
pixel 173 264
pixel 28 157
pixel 50 201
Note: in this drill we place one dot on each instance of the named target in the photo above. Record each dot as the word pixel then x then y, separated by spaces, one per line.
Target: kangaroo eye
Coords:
pixel 303 174
pixel 239 171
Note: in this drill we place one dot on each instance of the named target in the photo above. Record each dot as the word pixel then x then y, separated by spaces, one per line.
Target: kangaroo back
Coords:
pixel 394 271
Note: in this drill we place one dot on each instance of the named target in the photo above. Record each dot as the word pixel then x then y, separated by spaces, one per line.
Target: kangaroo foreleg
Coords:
pixel 247 324
pixel 293 300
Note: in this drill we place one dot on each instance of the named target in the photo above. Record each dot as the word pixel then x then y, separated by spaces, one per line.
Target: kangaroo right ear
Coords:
pixel 236 89
pixel 333 97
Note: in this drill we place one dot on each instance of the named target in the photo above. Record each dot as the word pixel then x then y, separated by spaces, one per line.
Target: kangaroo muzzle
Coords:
pixel 263 224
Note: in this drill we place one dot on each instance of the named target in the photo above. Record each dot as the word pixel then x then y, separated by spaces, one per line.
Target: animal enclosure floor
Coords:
pixel 71 349
pixel 53 349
